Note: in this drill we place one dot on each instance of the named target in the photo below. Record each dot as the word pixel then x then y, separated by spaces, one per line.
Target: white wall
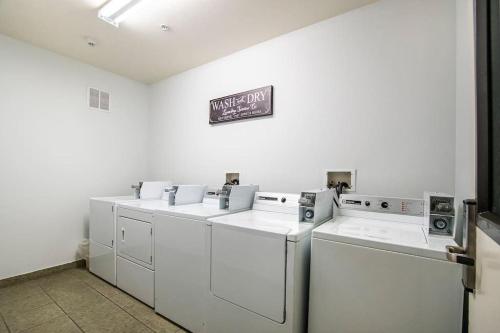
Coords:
pixel 465 124
pixel 465 161
pixel 55 153
pixel 373 89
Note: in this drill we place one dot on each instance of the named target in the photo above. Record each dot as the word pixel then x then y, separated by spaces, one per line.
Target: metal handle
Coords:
pixel 457 254
pixel 469 243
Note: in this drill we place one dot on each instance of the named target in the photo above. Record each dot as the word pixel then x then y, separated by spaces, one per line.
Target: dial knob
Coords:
pixel 440 224
pixel 309 214
pixel 384 204
pixel 283 200
pixel 367 203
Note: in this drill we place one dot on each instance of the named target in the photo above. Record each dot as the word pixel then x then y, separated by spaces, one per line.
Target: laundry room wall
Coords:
pixel 465 165
pixel 465 131
pixel 56 153
pixel 372 90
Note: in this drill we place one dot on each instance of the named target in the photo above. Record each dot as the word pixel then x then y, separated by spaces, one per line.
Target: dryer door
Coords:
pixel 135 240
pixel 248 269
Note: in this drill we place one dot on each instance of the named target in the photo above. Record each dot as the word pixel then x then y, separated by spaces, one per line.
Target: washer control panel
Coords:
pixel 414 207
pixel 440 209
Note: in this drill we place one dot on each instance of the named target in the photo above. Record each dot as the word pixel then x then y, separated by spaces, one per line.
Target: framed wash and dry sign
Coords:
pixel 245 105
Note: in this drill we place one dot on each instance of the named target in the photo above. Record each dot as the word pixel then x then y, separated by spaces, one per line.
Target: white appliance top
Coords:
pixel 275 213
pixel 115 199
pixel 143 205
pixel 268 222
pixel 184 195
pixel 391 232
pixel 198 211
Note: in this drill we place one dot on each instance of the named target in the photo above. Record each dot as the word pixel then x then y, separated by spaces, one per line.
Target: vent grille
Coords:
pixel 98 99
pixel 104 101
pixel 93 98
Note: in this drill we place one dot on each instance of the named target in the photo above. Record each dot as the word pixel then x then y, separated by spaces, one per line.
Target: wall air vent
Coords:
pixel 104 101
pixel 98 99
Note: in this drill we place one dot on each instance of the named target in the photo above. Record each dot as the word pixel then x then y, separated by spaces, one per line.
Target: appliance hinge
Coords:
pixel 151 231
pixel 151 258
pixel 112 209
pixel 112 242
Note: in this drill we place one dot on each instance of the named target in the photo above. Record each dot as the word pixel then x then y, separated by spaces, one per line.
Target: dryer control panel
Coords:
pixel 414 207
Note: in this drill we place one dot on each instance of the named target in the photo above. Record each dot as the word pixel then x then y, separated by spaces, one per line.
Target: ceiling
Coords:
pixel 200 30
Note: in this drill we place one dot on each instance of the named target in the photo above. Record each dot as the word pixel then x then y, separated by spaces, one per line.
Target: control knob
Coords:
pixel 440 224
pixel 384 204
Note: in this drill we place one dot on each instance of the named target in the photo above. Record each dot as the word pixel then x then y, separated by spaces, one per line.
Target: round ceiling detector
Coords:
pixel 164 27
pixel 91 42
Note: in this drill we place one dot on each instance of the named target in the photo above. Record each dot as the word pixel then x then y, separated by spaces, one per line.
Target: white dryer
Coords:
pixel 375 269
pixel 102 229
pixel 259 264
pixel 182 247
pixel 135 261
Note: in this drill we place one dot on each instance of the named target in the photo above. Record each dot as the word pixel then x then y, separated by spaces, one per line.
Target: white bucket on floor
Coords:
pixel 83 251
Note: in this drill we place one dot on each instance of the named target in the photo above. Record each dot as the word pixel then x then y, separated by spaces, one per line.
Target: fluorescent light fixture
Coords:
pixel 115 11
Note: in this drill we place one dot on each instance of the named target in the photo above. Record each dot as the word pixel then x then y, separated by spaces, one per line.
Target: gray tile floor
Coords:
pixel 75 301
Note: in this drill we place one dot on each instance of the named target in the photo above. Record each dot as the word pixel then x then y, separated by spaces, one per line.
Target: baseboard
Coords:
pixel 36 274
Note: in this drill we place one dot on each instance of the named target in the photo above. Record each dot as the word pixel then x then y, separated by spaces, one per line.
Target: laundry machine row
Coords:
pixel 222 267
pixel 241 261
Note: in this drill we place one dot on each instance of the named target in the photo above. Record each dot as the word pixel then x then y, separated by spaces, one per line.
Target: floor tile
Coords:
pixel 123 299
pixel 54 303
pixel 102 287
pixel 75 296
pixel 57 279
pixel 24 301
pixel 19 321
pixel 148 317
pixel 79 272
pixel 3 328
pixel 83 275
pixel 19 290
pixel 57 325
pixel 107 317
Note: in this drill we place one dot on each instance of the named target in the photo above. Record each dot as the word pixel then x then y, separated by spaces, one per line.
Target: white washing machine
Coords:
pixel 259 265
pixel 102 245
pixel 375 269
pixel 135 261
pixel 182 246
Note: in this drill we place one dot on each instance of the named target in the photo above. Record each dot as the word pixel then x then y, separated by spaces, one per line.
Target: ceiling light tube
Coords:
pixel 114 11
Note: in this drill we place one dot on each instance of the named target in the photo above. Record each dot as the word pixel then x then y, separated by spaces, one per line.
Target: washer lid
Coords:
pixel 386 235
pixel 257 221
